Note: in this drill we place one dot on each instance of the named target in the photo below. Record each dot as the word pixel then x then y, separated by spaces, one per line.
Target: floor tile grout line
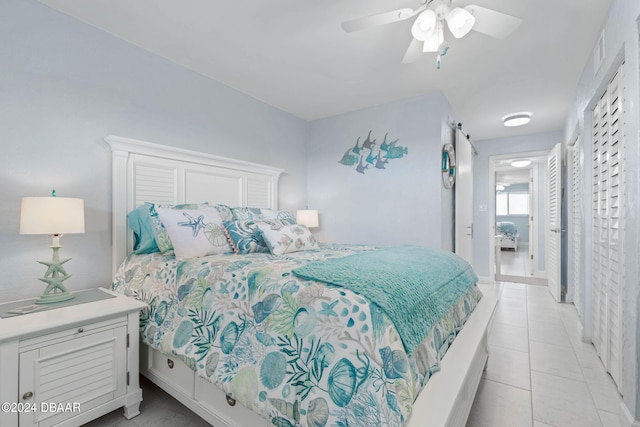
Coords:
pixel 526 297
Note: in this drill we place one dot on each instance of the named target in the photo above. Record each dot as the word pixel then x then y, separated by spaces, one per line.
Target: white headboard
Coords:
pixel 146 172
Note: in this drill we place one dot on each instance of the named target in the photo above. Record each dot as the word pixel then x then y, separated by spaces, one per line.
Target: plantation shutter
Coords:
pixel 576 228
pixel 607 222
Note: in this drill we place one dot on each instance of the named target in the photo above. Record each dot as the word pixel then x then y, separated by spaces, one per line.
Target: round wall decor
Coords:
pixel 448 165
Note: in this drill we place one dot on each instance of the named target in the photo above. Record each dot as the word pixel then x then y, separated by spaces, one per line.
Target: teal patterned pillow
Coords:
pixel 240 214
pixel 245 238
pixel 225 212
pixel 284 239
pixel 195 232
pixel 139 221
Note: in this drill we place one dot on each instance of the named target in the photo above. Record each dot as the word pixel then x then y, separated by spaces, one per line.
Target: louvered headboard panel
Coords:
pixel 146 172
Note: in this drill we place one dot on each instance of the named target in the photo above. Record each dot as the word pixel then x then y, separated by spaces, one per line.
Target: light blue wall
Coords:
pixel 64 86
pixel 406 202
pixel 621 42
pixel 494 147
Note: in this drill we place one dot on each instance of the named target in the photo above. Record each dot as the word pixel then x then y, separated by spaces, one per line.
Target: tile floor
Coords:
pixel 539 373
pixel 515 263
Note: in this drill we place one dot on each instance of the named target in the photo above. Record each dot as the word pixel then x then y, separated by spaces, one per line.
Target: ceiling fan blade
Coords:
pixel 493 23
pixel 414 52
pixel 379 19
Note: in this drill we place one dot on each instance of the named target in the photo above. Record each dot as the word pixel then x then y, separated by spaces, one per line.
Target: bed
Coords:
pixel 508 233
pixel 252 339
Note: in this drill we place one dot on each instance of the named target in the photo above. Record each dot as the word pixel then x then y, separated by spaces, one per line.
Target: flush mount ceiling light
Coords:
pixel 516 119
pixel 428 28
pixel 522 163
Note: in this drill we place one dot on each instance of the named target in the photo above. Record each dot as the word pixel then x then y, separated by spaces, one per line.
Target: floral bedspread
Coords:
pixel 296 351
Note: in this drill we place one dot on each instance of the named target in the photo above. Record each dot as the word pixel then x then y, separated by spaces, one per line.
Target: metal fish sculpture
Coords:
pixel 349 159
pixel 384 146
pixel 368 143
pixel 371 158
pixel 396 152
pixel 357 148
pixel 361 168
pixel 380 163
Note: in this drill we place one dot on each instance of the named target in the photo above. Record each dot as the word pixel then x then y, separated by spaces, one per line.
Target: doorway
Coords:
pixel 517 217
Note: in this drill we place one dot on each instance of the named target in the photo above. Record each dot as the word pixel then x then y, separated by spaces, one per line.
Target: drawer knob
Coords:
pixel 230 400
pixel 28 395
pixel 170 363
pixel 80 330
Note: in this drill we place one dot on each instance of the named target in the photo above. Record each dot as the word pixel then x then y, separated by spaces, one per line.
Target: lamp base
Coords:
pixel 54 277
pixel 55 297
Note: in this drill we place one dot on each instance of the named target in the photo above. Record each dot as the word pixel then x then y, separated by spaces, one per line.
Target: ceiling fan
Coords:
pixel 428 27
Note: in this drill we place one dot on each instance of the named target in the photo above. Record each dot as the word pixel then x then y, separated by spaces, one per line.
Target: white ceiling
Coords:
pixel 293 54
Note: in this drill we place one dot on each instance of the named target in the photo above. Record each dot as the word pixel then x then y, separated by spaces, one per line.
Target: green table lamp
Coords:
pixel 54 216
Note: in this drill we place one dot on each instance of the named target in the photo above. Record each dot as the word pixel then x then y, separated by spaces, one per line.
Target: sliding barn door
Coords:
pixel 608 226
pixel 554 221
pixel 464 198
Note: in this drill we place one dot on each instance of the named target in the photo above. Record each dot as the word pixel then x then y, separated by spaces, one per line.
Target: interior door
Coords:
pixel 554 226
pixel 464 198
pixel 532 226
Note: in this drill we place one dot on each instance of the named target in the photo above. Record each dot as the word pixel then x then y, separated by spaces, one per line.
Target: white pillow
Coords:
pixel 195 232
pixel 287 238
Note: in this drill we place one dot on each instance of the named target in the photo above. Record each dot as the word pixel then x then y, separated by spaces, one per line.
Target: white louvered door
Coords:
pixel 576 226
pixel 554 221
pixel 607 226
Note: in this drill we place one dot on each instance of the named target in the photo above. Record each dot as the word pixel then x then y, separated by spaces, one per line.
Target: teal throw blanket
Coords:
pixel 414 285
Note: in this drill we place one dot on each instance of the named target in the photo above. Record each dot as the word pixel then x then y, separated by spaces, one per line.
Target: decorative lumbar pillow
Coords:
pixel 287 238
pixel 163 240
pixel 194 232
pixel 245 238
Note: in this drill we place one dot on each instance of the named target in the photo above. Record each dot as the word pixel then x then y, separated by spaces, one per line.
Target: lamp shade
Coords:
pixel 307 217
pixel 51 215
pixel 424 25
pixel 460 22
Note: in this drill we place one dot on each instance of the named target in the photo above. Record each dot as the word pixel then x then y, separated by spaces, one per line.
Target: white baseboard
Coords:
pixel 625 417
pixel 485 280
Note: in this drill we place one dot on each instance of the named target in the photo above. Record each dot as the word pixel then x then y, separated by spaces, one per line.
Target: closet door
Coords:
pixel 607 219
pixel 576 225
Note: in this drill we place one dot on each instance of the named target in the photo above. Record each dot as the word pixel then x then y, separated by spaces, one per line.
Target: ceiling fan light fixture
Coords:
pixel 424 25
pixel 432 44
pixel 460 22
pixel 516 119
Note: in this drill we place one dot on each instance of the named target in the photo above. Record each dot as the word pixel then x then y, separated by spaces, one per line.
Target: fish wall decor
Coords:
pixel 370 154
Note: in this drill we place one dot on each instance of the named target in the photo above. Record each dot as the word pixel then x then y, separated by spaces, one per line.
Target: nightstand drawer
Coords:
pixel 66 334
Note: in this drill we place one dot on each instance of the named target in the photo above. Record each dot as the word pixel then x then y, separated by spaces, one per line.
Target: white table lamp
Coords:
pixel 307 217
pixel 54 216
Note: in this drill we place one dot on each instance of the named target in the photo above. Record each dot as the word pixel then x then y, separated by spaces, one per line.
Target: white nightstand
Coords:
pixel 70 365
